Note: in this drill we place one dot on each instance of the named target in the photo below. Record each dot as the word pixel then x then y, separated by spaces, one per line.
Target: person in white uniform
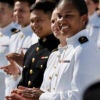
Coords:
pixel 74 66
pixel 7 29
pixel 26 37
pixel 93 26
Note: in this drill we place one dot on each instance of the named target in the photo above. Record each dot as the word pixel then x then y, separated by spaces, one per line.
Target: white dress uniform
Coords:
pixel 23 40
pixel 94 27
pixel 5 36
pixel 71 69
pixel 2 85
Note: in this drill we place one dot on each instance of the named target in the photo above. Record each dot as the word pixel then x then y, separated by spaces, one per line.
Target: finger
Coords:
pixel 27 95
pixel 17 97
pixel 6 70
pixel 8 98
pixel 21 87
pixel 22 53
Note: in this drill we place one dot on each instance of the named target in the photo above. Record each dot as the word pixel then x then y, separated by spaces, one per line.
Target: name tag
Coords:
pixel 64 61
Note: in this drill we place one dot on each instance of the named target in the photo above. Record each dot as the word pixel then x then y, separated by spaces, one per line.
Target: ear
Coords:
pixel 84 19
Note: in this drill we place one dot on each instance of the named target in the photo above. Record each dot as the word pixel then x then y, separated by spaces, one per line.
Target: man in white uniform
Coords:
pixel 26 36
pixel 7 29
pixel 93 26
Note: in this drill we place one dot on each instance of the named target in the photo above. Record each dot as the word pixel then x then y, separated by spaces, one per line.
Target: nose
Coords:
pixel 59 22
pixel 34 25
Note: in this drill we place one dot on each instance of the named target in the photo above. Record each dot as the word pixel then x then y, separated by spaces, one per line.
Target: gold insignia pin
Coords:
pixel 83 39
pixel 44 40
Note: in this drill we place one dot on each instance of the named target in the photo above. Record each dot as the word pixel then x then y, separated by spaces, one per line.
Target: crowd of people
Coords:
pixel 49 49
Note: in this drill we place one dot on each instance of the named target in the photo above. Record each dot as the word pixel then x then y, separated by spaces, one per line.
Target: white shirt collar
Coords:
pixel 27 30
pixel 7 29
pixel 75 38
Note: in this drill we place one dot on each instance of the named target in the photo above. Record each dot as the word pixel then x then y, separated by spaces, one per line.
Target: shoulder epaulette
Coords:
pixel 83 39
pixel 14 30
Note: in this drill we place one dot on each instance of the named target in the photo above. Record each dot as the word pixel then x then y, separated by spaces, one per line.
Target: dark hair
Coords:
pixel 92 92
pixel 9 2
pixel 96 2
pixel 30 2
pixel 55 1
pixel 46 7
pixel 80 5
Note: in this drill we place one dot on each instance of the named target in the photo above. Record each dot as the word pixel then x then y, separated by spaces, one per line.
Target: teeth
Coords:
pixel 65 27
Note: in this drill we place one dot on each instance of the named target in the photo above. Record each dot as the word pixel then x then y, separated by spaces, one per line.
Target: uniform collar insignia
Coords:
pixel 44 39
pixel 83 39
pixel 14 30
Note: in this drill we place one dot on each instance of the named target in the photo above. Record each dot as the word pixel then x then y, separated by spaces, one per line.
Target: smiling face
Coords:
pixel 54 26
pixel 40 23
pixel 22 13
pixel 6 12
pixel 56 29
pixel 92 6
pixel 69 19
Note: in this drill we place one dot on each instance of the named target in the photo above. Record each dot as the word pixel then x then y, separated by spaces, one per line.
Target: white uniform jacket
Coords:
pixel 94 27
pixel 5 36
pixel 2 85
pixel 71 69
pixel 23 40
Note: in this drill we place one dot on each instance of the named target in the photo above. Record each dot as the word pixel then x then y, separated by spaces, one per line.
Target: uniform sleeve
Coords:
pixel 63 95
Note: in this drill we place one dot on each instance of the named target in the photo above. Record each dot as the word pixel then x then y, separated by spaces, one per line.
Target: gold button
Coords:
pixel 33 59
pixel 56 75
pixel 44 40
pixel 1 34
pixel 41 66
pixel 54 66
pixel 31 71
pixel 50 77
pixel 48 89
pixel 37 49
pixel 29 83
pixel 21 35
pixel 24 67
